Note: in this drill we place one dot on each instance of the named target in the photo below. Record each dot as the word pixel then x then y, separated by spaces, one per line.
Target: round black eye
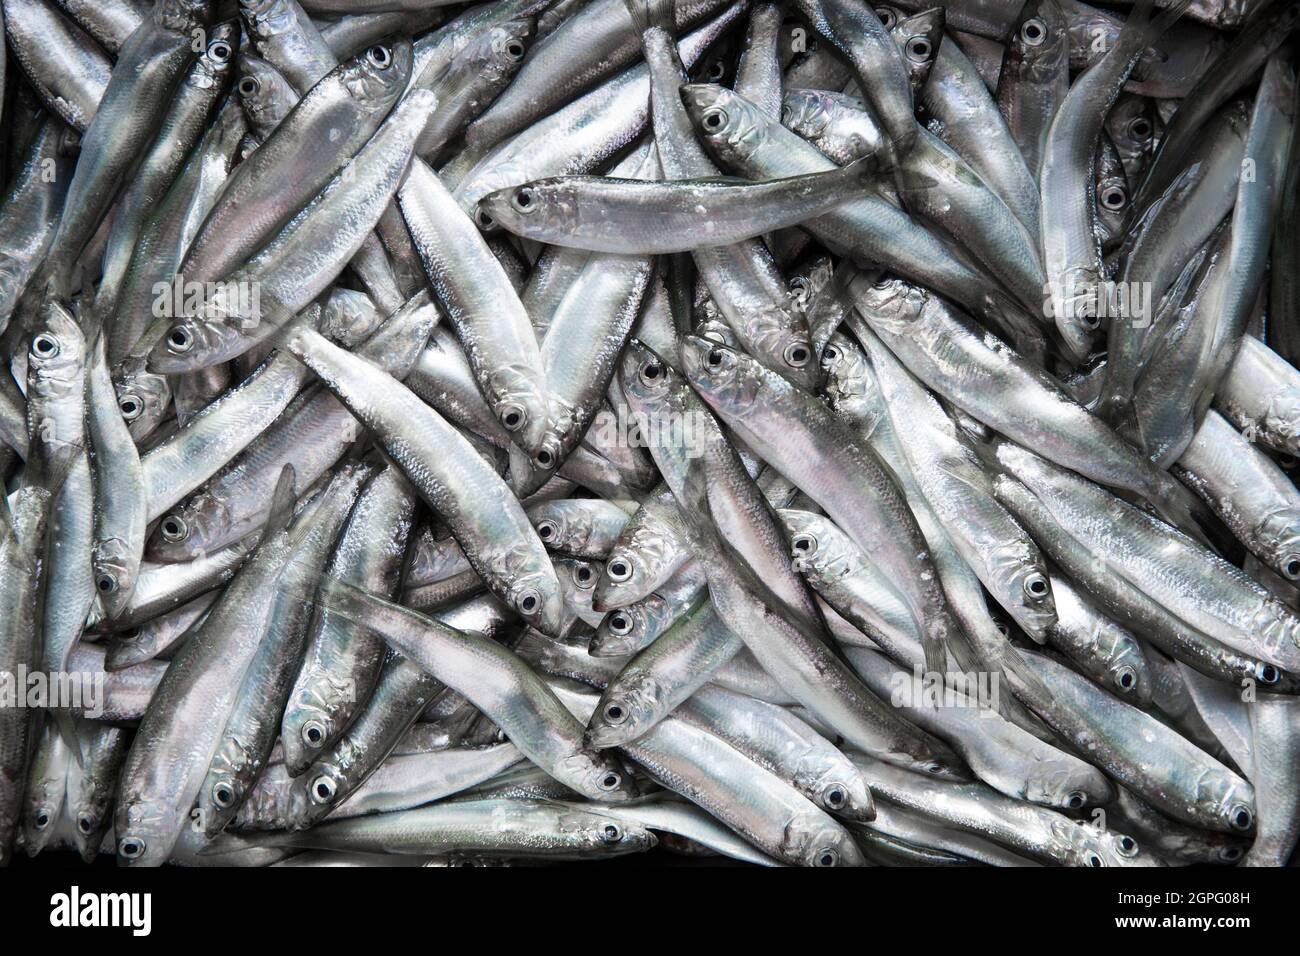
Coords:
pixel 512 417
pixel 1230 854
pixel 1076 800
pixel 887 18
pixel 515 50
pixel 313 733
pixel 106 583
pixel 1291 567
pixel 615 713
pixel 620 623
pixel 835 798
pixel 528 604
pixel 619 570
pixel 219 50
pixel 250 86
pixel 652 372
pixel 1127 678
pixel 546 530
pixel 1267 673
pixel 1036 586
pixel 523 200
pixel 1114 198
pixel 380 57
pixel 583 573
pixel 131 848
pixel 85 824
pixel 831 354
pixel 610 781
pixel 1242 818
pixel 717 71
pixel 180 339
pixel 1093 859
pixel 714 120
pixel 484 221
pixel 130 407
pixel 45 345
pixel 323 789
pixel 714 358
pixel 1140 128
pixel 1127 845
pixel 223 795
pixel 804 544
pixel 611 833
pixel 1033 32
pixel 1089 319
pixel 797 355
pixel 544 459
pixel 174 528
pixel 918 49
pixel 42 819
pixel 827 858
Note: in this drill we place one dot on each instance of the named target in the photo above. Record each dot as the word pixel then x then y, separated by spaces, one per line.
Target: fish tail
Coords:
pixel 651 13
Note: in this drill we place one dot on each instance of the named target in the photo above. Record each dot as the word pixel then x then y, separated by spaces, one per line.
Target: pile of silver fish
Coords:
pixel 797 432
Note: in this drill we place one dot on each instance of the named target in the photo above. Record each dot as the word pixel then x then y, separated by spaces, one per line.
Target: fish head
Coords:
pixel 379 74
pixel 217 63
pixel 597 775
pixel 731 126
pixel 1231 799
pixel 892 305
pixel 1023 584
pixel 725 377
pixel 194 528
pixel 847 372
pixel 649 382
pixel 143 397
pixel 918 38
pixel 145 831
pixel 818 548
pixel 816 840
pixel 1039 49
pixel 131 645
pixel 807 112
pixel 608 834
pixel 631 705
pixel 88 826
pixel 518 398
pixel 541 209
pixel 264 93
pixel 838 789
pixel 311 720
pixel 56 354
pixel 116 568
pixel 534 591
pixel 625 630
pixel 498 53
pixel 1068 784
pixel 560 526
pixel 200 340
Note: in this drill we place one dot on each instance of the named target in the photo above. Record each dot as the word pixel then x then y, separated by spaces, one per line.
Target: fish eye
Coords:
pixel 887 17
pixel 219 50
pixel 1033 31
pixel 85 823
pixel 129 635
pixel 1076 800
pixel 105 583
pixel 884 282
pixel 1241 817
pixel 804 544
pixel 835 797
pixel 380 57
pixel 130 848
pixel 1291 566
pixel 529 601
pixel 715 357
pixel 1126 845
pixel 180 339
pixel 796 355
pixel 830 354
pixel 620 623
pixel 583 575
pixel 174 528
pixel 935 768
pixel 619 570
pixel 223 795
pixel 544 459
pixel 313 733
pixel 1037 586
pixel 547 529
pixel 130 407
pixel 1230 853
pixel 513 417
pixel 1114 198
pixel 523 200
pixel 483 220
pixel 1094 859
pixel 615 713
pixel 1126 677
pixel 42 819
pixel 611 833
pixel 1267 673
pixel 651 373
pixel 714 120
pixel 45 345
pixel 250 86
pixel 918 49
pixel 514 49
pixel 828 857
pixel 610 781
pixel 323 789
pixel 717 71
pixel 1140 128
